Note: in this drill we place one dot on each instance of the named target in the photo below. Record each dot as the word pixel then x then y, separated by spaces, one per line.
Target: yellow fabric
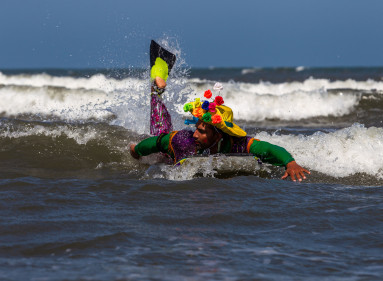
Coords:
pixel 181 161
pixel 227 115
pixel 159 69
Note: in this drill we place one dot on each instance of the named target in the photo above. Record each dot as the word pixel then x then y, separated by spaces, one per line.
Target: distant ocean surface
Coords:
pixel 75 205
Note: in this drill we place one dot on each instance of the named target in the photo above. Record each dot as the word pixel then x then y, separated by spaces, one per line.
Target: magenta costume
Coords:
pixel 160 120
pixel 161 63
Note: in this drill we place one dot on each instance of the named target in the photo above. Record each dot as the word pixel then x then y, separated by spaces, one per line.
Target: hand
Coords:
pixel 294 170
pixel 133 152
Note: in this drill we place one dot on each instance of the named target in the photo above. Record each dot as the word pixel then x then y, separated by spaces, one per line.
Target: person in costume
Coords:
pixel 215 131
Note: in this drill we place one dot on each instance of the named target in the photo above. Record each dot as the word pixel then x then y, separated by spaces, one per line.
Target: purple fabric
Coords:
pixel 183 145
pixel 160 120
pixel 240 144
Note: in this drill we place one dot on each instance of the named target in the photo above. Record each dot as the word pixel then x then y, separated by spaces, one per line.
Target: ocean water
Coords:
pixel 76 206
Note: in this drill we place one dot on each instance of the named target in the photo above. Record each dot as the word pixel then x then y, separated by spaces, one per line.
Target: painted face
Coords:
pixel 204 136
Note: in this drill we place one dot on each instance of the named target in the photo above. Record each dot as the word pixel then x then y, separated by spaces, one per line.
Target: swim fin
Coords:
pixel 156 51
pixel 158 58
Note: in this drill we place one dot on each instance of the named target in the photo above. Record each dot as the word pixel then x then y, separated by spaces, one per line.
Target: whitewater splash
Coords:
pixel 341 153
pixel 89 109
pixel 126 101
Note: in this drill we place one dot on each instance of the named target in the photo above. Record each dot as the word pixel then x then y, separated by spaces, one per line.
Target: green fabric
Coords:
pixel 267 152
pixel 226 144
pixel 159 69
pixel 148 146
pixel 271 153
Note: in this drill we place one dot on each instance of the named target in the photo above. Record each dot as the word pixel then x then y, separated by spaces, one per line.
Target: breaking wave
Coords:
pixel 101 98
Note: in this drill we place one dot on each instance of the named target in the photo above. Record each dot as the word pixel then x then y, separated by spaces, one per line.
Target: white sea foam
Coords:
pixel 257 102
pixel 74 99
pixel 107 84
pixel 77 104
pixel 80 135
pixel 290 100
pixel 339 154
pixel 279 89
pixel 342 153
pixel 127 100
pixel 249 71
pixel 95 82
pixel 299 68
pixel 293 106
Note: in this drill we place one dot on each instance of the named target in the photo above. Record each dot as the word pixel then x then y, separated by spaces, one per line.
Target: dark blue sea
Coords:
pixel 75 206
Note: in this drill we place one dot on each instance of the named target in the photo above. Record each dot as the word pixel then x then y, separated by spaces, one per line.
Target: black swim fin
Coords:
pixel 156 51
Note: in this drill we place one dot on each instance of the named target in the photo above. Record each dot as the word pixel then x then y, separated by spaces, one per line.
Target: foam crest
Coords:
pixel 95 82
pixel 81 135
pixel 211 166
pixel 126 102
pixel 60 103
pixel 296 105
pixel 128 108
pixel 290 101
pixel 279 89
pixel 342 153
